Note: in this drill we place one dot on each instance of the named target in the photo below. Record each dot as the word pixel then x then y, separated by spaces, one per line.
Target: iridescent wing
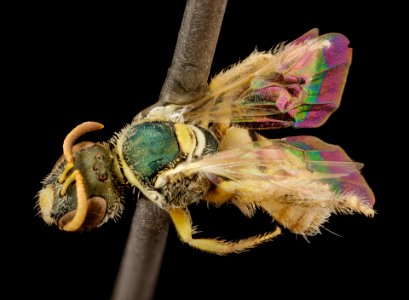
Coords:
pixel 300 181
pixel 299 84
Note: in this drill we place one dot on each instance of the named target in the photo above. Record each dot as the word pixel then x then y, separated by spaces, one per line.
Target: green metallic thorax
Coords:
pixel 151 147
pixel 146 150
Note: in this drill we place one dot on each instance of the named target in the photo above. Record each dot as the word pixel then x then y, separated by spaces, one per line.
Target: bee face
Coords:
pixel 85 195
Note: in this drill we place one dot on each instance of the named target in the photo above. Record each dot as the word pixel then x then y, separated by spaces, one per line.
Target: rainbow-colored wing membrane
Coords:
pixel 326 71
pixel 330 159
pixel 300 181
pixel 297 85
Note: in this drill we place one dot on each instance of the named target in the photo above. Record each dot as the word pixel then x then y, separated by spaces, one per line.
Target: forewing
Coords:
pixel 247 156
pixel 300 181
pixel 299 84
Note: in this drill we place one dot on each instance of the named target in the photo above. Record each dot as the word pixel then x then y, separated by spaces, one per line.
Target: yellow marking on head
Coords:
pixel 82 205
pixel 46 202
pixel 185 139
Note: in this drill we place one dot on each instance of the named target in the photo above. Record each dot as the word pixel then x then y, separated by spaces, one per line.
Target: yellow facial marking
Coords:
pixel 46 201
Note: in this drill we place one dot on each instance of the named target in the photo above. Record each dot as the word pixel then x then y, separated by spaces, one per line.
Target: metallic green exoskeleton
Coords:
pixel 147 150
pixel 208 150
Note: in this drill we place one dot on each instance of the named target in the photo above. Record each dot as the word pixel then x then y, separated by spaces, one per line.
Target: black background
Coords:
pixel 74 63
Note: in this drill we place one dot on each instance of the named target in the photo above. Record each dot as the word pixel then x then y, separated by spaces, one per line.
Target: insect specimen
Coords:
pixel 210 151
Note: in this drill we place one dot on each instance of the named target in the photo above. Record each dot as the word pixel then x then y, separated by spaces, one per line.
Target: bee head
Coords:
pixel 84 189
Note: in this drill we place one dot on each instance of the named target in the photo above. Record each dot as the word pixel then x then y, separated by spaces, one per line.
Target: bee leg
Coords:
pixel 220 193
pixel 183 223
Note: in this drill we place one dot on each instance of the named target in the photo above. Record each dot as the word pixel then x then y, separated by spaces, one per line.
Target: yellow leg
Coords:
pixel 183 223
pixel 220 193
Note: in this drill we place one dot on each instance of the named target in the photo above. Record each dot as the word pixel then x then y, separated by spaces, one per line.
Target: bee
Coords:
pixel 177 155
